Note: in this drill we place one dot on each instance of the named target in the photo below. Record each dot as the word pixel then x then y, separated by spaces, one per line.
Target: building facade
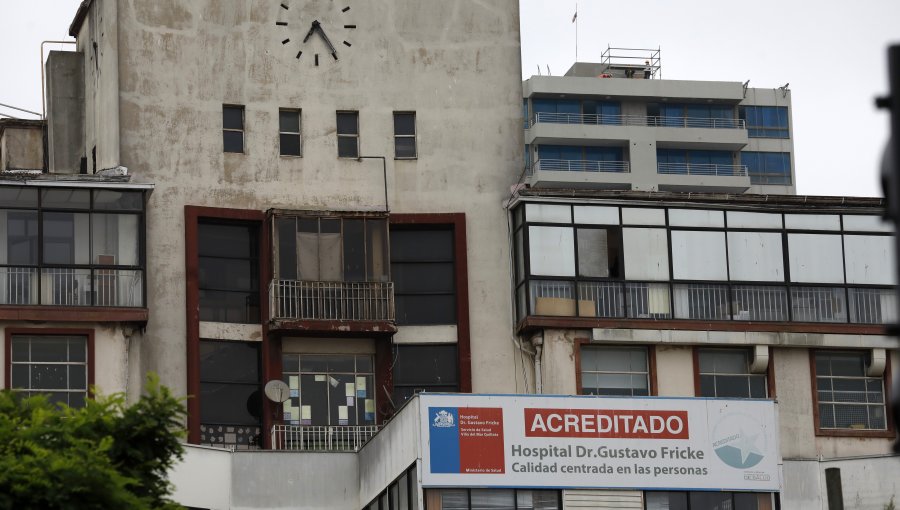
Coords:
pixel 301 214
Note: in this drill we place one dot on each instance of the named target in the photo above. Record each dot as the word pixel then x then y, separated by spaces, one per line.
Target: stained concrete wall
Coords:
pixel 455 64
pixel 868 483
pixel 21 148
pixel 65 111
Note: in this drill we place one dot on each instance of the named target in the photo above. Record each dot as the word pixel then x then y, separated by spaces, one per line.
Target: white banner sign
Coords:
pixel 596 442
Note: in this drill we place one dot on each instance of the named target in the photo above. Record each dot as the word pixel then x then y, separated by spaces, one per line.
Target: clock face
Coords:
pixel 315 31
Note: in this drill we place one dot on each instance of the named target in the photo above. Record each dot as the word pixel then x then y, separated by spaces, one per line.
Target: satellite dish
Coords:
pixel 277 390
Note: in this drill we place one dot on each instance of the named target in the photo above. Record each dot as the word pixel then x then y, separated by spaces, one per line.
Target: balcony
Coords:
pixel 636 120
pixel 713 178
pixel 297 300
pixel 312 438
pixel 712 302
pixel 71 287
pixel 584 173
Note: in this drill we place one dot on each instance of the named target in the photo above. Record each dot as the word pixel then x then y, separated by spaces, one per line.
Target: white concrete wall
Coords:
pixel 867 483
pixel 203 478
pixel 394 449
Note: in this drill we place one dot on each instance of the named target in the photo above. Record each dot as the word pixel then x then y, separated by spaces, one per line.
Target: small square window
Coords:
pixel 233 128
pixel 348 134
pixel 725 373
pixel 615 371
pixel 50 365
pixel 289 132
pixel 405 135
pixel 847 397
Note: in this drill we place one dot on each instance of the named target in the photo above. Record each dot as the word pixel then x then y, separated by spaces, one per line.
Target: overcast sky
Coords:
pixel 831 52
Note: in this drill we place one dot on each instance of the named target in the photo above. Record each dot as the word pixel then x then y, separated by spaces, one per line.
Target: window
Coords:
pixel 424 274
pixel 424 368
pixel 348 134
pixel 695 162
pixel 402 494
pixel 768 167
pixel 846 396
pixel 228 272
pixel 725 373
pixel 765 121
pixel 707 501
pixel 691 115
pixel 289 132
pixel 581 159
pixel 329 389
pixel 71 247
pixel 614 371
pixel 573 111
pixel 233 128
pixel 499 499
pixel 52 365
pixel 405 135
pixel 230 398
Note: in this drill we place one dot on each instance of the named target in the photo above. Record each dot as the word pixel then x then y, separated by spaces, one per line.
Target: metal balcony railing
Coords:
pixel 712 301
pixel 347 301
pixel 702 169
pixel 63 286
pixel 636 120
pixel 578 165
pixel 322 438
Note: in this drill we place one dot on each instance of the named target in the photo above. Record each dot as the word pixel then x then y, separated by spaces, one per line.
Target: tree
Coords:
pixel 104 455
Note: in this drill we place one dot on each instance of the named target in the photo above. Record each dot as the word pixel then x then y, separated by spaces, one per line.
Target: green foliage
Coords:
pixel 104 455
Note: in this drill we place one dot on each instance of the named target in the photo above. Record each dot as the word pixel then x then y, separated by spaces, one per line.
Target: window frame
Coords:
pixel 88 334
pixel 768 377
pixel 242 129
pixel 339 395
pixel 886 378
pixel 254 259
pixel 432 496
pixel 281 133
pixel 760 129
pixel 650 349
pixel 451 261
pixel 414 136
pixel 354 136
pixel 259 424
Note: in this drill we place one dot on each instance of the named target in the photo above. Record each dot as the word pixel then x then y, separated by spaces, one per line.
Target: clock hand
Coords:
pixel 327 41
pixel 315 24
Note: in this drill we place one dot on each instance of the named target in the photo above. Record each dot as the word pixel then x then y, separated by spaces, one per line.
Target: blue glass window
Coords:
pixel 694 115
pixel 768 167
pixel 582 159
pixel 766 121
pixel 575 111
pixel 682 161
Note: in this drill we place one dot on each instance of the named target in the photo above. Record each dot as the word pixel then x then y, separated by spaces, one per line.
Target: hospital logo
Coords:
pixel 443 419
pixel 739 441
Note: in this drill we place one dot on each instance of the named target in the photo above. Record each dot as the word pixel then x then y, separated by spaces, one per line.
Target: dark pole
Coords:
pixel 387 207
pixel 890 181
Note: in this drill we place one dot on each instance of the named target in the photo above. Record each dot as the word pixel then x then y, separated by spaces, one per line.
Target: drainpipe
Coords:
pixel 538 342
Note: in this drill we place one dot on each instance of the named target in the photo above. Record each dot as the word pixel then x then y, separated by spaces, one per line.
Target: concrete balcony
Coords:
pixel 671 132
pixel 702 177
pixel 560 173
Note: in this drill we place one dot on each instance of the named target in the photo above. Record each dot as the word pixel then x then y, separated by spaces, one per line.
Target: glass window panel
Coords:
pixel 404 123
pixel 77 377
pixel 425 309
pixel 493 499
pixel 732 387
pixel 364 364
pixel 21 237
pixel 426 365
pixel 354 250
pixel 236 404
pixel 289 144
pixel 286 232
pixel 66 237
pixel 348 123
pixel 551 251
pixel 229 306
pixel 348 147
pixel 63 198
pixel 233 117
pixel 227 240
pixel 707 386
pixel 229 361
pixel 49 349
pixel 233 141
pixel 593 253
pixel 758 387
pixel 405 147
pixel 48 377
pixel 289 121
pixel 114 200
pixel 290 363
pixel 421 245
pixel 76 399
pixel 20 376
pixel 115 239
pixel 17 196
pixel 545 500
pixel 666 500
pixel 317 364
pixel 711 500
pixel 19 349
pixel 423 278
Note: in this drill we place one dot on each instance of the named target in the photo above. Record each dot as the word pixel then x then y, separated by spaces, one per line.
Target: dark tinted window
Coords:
pixel 233 128
pixel 425 368
pixel 424 274
pixel 228 272
pixel 229 383
pixel 289 132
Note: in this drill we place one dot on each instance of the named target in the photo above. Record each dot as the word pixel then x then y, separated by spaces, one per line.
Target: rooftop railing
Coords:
pixel 348 301
pixel 322 438
pixel 636 120
pixel 579 165
pixel 702 169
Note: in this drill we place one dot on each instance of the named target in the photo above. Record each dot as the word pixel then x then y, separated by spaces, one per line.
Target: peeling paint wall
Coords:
pixel 22 148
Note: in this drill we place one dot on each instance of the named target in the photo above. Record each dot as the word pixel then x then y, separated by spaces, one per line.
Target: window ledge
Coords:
pixel 406 159
pixel 291 156
pixel 73 314
pixel 888 434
